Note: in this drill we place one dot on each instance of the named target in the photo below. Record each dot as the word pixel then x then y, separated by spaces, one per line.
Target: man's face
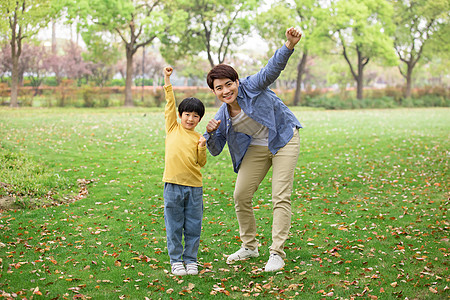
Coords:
pixel 189 120
pixel 226 90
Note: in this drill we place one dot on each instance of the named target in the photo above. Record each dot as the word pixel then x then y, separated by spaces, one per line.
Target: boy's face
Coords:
pixel 189 120
pixel 226 90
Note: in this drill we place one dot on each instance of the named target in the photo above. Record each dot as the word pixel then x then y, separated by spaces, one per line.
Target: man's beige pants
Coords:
pixel 254 167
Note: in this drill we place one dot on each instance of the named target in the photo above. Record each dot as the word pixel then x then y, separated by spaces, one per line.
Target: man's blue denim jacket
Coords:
pixel 261 104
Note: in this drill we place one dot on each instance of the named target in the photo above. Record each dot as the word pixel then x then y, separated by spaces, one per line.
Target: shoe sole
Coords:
pixel 184 274
pixel 273 270
pixel 231 261
pixel 265 270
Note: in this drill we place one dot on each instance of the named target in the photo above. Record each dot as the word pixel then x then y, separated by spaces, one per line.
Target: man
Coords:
pixel 261 132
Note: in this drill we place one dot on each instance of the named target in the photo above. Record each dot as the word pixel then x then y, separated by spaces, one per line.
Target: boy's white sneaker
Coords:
pixel 178 269
pixel 192 269
pixel 242 254
pixel 275 263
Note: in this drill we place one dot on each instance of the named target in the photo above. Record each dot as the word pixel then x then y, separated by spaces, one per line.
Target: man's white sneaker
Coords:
pixel 275 263
pixel 192 269
pixel 242 254
pixel 178 269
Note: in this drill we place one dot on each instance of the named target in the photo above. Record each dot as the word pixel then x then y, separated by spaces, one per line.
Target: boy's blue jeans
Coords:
pixel 183 213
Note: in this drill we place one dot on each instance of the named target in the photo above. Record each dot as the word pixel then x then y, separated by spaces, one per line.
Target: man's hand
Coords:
pixel 202 141
pixel 212 125
pixel 293 36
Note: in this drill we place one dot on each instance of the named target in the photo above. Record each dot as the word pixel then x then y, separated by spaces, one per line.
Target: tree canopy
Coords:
pixel 213 28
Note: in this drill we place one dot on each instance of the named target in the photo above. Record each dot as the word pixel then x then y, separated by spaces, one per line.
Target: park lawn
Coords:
pixel 369 210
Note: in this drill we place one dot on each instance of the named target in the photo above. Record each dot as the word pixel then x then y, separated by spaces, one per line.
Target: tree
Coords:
pixel 103 55
pixel 273 23
pixel 418 23
pixel 149 65
pixel 153 64
pixel 56 64
pixel 32 61
pixel 136 23
pixel 37 67
pixel 361 29
pixel 75 67
pixel 23 19
pixel 213 28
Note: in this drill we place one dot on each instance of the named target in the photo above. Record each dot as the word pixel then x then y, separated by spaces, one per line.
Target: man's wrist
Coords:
pixel 290 45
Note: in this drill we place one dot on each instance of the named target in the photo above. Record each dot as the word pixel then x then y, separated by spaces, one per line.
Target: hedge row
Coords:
pixel 87 96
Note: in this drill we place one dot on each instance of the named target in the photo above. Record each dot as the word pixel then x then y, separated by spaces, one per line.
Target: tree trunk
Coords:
pixel 301 69
pixel 129 78
pixel 359 86
pixel 53 36
pixel 360 76
pixel 408 82
pixel 14 80
pixel 16 50
pixel 357 76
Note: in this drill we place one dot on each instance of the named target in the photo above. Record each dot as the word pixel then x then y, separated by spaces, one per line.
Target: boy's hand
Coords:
pixel 293 36
pixel 202 141
pixel 212 125
pixel 168 71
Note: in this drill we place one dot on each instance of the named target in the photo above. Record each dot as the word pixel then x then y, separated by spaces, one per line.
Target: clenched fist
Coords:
pixel 293 36
pixel 168 71
pixel 212 125
pixel 202 141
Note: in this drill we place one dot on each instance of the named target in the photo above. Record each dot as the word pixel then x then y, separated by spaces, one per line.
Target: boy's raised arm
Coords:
pixel 170 113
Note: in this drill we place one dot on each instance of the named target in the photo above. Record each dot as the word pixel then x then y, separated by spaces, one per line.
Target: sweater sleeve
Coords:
pixel 201 156
pixel 170 112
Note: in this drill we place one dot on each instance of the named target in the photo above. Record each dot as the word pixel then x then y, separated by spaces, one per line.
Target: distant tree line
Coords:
pixel 344 40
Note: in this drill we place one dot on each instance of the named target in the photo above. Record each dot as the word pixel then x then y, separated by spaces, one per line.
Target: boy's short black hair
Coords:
pixel 219 72
pixel 191 104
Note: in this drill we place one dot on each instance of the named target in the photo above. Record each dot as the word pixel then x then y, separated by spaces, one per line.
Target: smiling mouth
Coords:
pixel 228 97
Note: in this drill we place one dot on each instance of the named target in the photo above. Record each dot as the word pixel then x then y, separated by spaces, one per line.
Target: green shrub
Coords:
pixel 395 93
pixel 208 98
pixel 326 102
pixel 287 96
pixel 334 102
pixel 50 81
pixel 103 101
pixel 383 102
pixel 88 94
pixel 116 82
pixel 26 101
pixel 147 81
pixel 374 93
pixel 432 100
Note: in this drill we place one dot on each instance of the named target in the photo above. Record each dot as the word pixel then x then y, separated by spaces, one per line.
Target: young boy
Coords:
pixel 183 188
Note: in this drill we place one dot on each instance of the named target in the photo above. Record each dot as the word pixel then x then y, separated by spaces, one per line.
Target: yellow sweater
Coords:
pixel 184 157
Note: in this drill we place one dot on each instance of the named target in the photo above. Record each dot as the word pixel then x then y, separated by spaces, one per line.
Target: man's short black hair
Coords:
pixel 191 104
pixel 220 72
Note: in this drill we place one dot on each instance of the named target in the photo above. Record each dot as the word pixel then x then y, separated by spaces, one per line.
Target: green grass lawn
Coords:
pixel 369 209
